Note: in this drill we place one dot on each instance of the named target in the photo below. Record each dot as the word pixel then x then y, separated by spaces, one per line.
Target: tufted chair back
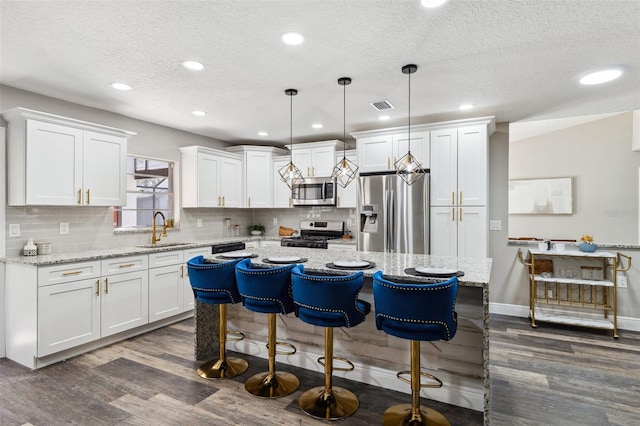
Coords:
pixel 213 283
pixel 266 290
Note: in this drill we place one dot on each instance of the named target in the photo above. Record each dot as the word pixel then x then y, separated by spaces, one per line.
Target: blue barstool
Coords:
pixel 329 301
pixel 415 312
pixel 268 290
pixel 215 283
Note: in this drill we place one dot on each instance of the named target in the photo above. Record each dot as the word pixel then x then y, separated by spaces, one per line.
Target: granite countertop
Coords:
pixel 476 270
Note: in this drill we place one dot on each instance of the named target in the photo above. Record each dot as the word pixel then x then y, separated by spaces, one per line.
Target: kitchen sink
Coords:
pixel 161 245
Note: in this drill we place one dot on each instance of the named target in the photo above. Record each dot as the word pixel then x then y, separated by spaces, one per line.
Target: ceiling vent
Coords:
pixel 382 105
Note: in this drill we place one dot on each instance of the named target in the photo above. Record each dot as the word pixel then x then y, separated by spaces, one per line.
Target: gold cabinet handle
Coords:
pixel 308 174
pixel 219 201
pixel 460 215
pixel 181 271
pixel 106 286
pixel 79 196
pixel 388 163
pixel 97 287
pixel 223 202
pixel 460 198
pixel 289 201
pixel 126 265
pixel 453 197
pixel 249 201
pixel 88 196
pixel 453 214
pixel 338 203
pixel 313 171
pixel 72 272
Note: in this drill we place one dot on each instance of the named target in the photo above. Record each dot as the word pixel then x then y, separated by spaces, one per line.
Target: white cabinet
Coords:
pixel 167 271
pixel 210 178
pixel 258 174
pixel 459 231
pixel 347 196
pixel 54 160
pixel 281 191
pixel 315 158
pixel 378 150
pixel 187 296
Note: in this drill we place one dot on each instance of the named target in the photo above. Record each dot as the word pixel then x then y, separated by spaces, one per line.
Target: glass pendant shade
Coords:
pixel 345 171
pixel 409 168
pixel 290 174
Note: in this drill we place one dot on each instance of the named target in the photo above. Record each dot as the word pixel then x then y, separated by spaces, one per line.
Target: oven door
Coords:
pixel 315 192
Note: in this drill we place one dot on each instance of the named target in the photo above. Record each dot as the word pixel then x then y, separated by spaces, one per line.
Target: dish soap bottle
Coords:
pixel 30 249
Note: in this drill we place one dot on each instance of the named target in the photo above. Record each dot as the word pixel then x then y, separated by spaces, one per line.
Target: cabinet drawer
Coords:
pixel 64 273
pixel 201 251
pixel 166 258
pixel 120 265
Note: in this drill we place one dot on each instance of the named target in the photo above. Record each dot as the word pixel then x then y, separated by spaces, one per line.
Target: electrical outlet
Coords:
pixel 349 222
pixel 275 221
pixel 622 281
pixel 495 225
pixel 64 228
pixel 199 223
pixel 14 230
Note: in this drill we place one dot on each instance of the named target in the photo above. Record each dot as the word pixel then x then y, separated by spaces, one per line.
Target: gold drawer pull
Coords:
pixel 460 215
pixel 88 196
pixel 453 214
pixel 453 198
pixel 126 265
pixel 72 272
pixel 79 195
pixel 181 271
pixel 460 198
pixel 223 202
pixel 106 286
pixel 97 287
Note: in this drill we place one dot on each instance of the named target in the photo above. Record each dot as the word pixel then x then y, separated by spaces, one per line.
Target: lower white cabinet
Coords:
pixel 166 274
pixel 459 231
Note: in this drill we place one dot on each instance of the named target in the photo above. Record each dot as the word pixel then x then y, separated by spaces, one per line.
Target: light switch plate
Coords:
pixel 14 230
pixel 622 281
pixel 275 221
pixel 495 225
pixel 64 228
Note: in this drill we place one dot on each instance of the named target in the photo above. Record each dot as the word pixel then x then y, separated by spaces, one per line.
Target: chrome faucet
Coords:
pixel 155 239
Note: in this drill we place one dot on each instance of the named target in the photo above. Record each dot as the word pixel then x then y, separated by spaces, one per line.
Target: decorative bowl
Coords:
pixel 587 248
pixel 256 232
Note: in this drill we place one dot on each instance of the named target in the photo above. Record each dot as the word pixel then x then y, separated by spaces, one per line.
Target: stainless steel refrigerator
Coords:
pixel 393 216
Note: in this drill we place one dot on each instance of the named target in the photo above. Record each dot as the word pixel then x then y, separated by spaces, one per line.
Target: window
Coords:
pixel 149 189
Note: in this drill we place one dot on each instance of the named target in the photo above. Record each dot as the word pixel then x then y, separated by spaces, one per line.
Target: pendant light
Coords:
pixel 290 174
pixel 345 171
pixel 409 168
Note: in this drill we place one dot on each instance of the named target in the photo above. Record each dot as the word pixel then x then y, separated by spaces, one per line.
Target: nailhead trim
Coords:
pixel 443 324
pixel 315 308
pixel 211 290
pixel 267 299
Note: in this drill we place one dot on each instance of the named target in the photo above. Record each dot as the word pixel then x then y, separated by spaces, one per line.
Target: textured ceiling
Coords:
pixel 515 59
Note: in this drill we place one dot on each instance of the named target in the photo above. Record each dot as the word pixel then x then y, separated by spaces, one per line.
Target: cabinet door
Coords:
pixel 68 315
pixel 281 192
pixel 104 170
pixel 208 185
pixel 187 292
pixel 230 182
pixel 472 166
pixel 166 289
pixel 444 231
pixel 472 231
pixel 444 170
pixel 125 302
pixel 54 164
pixel 375 153
pixel 347 196
pixel 419 147
pixel 258 179
pixel 323 160
pixel 302 160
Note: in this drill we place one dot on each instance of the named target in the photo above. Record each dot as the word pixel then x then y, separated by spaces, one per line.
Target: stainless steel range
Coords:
pixel 315 234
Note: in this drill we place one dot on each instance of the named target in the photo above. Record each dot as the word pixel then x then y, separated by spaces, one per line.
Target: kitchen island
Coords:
pixel 462 363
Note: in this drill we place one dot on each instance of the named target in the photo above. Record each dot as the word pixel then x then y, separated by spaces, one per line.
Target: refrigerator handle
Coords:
pixel 391 222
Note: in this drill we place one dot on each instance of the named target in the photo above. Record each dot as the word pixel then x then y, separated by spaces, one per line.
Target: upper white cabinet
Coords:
pixel 347 196
pixel 459 166
pixel 378 150
pixel 54 160
pixel 257 190
pixel 281 191
pixel 316 158
pixel 210 178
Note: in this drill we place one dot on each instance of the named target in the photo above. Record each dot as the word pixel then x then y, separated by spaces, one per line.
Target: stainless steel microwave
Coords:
pixel 315 191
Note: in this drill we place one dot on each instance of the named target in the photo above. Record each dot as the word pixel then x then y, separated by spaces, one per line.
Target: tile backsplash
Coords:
pixel 92 227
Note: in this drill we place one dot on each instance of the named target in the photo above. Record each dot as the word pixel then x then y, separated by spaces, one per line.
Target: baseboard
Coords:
pixel 624 323
pixel 451 393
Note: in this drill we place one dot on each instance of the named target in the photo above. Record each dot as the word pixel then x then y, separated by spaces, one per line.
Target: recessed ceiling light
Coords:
pixel 263 134
pixel 465 107
pixel 121 86
pixel 292 38
pixel 193 65
pixel 199 113
pixel 384 118
pixel 433 3
pixel 317 125
pixel 600 77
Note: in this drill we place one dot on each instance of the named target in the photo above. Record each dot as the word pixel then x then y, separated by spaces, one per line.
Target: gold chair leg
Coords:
pixel 272 384
pixel 412 414
pixel 328 402
pixel 223 368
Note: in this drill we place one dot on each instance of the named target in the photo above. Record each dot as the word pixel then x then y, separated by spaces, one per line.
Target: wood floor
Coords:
pixel 546 376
